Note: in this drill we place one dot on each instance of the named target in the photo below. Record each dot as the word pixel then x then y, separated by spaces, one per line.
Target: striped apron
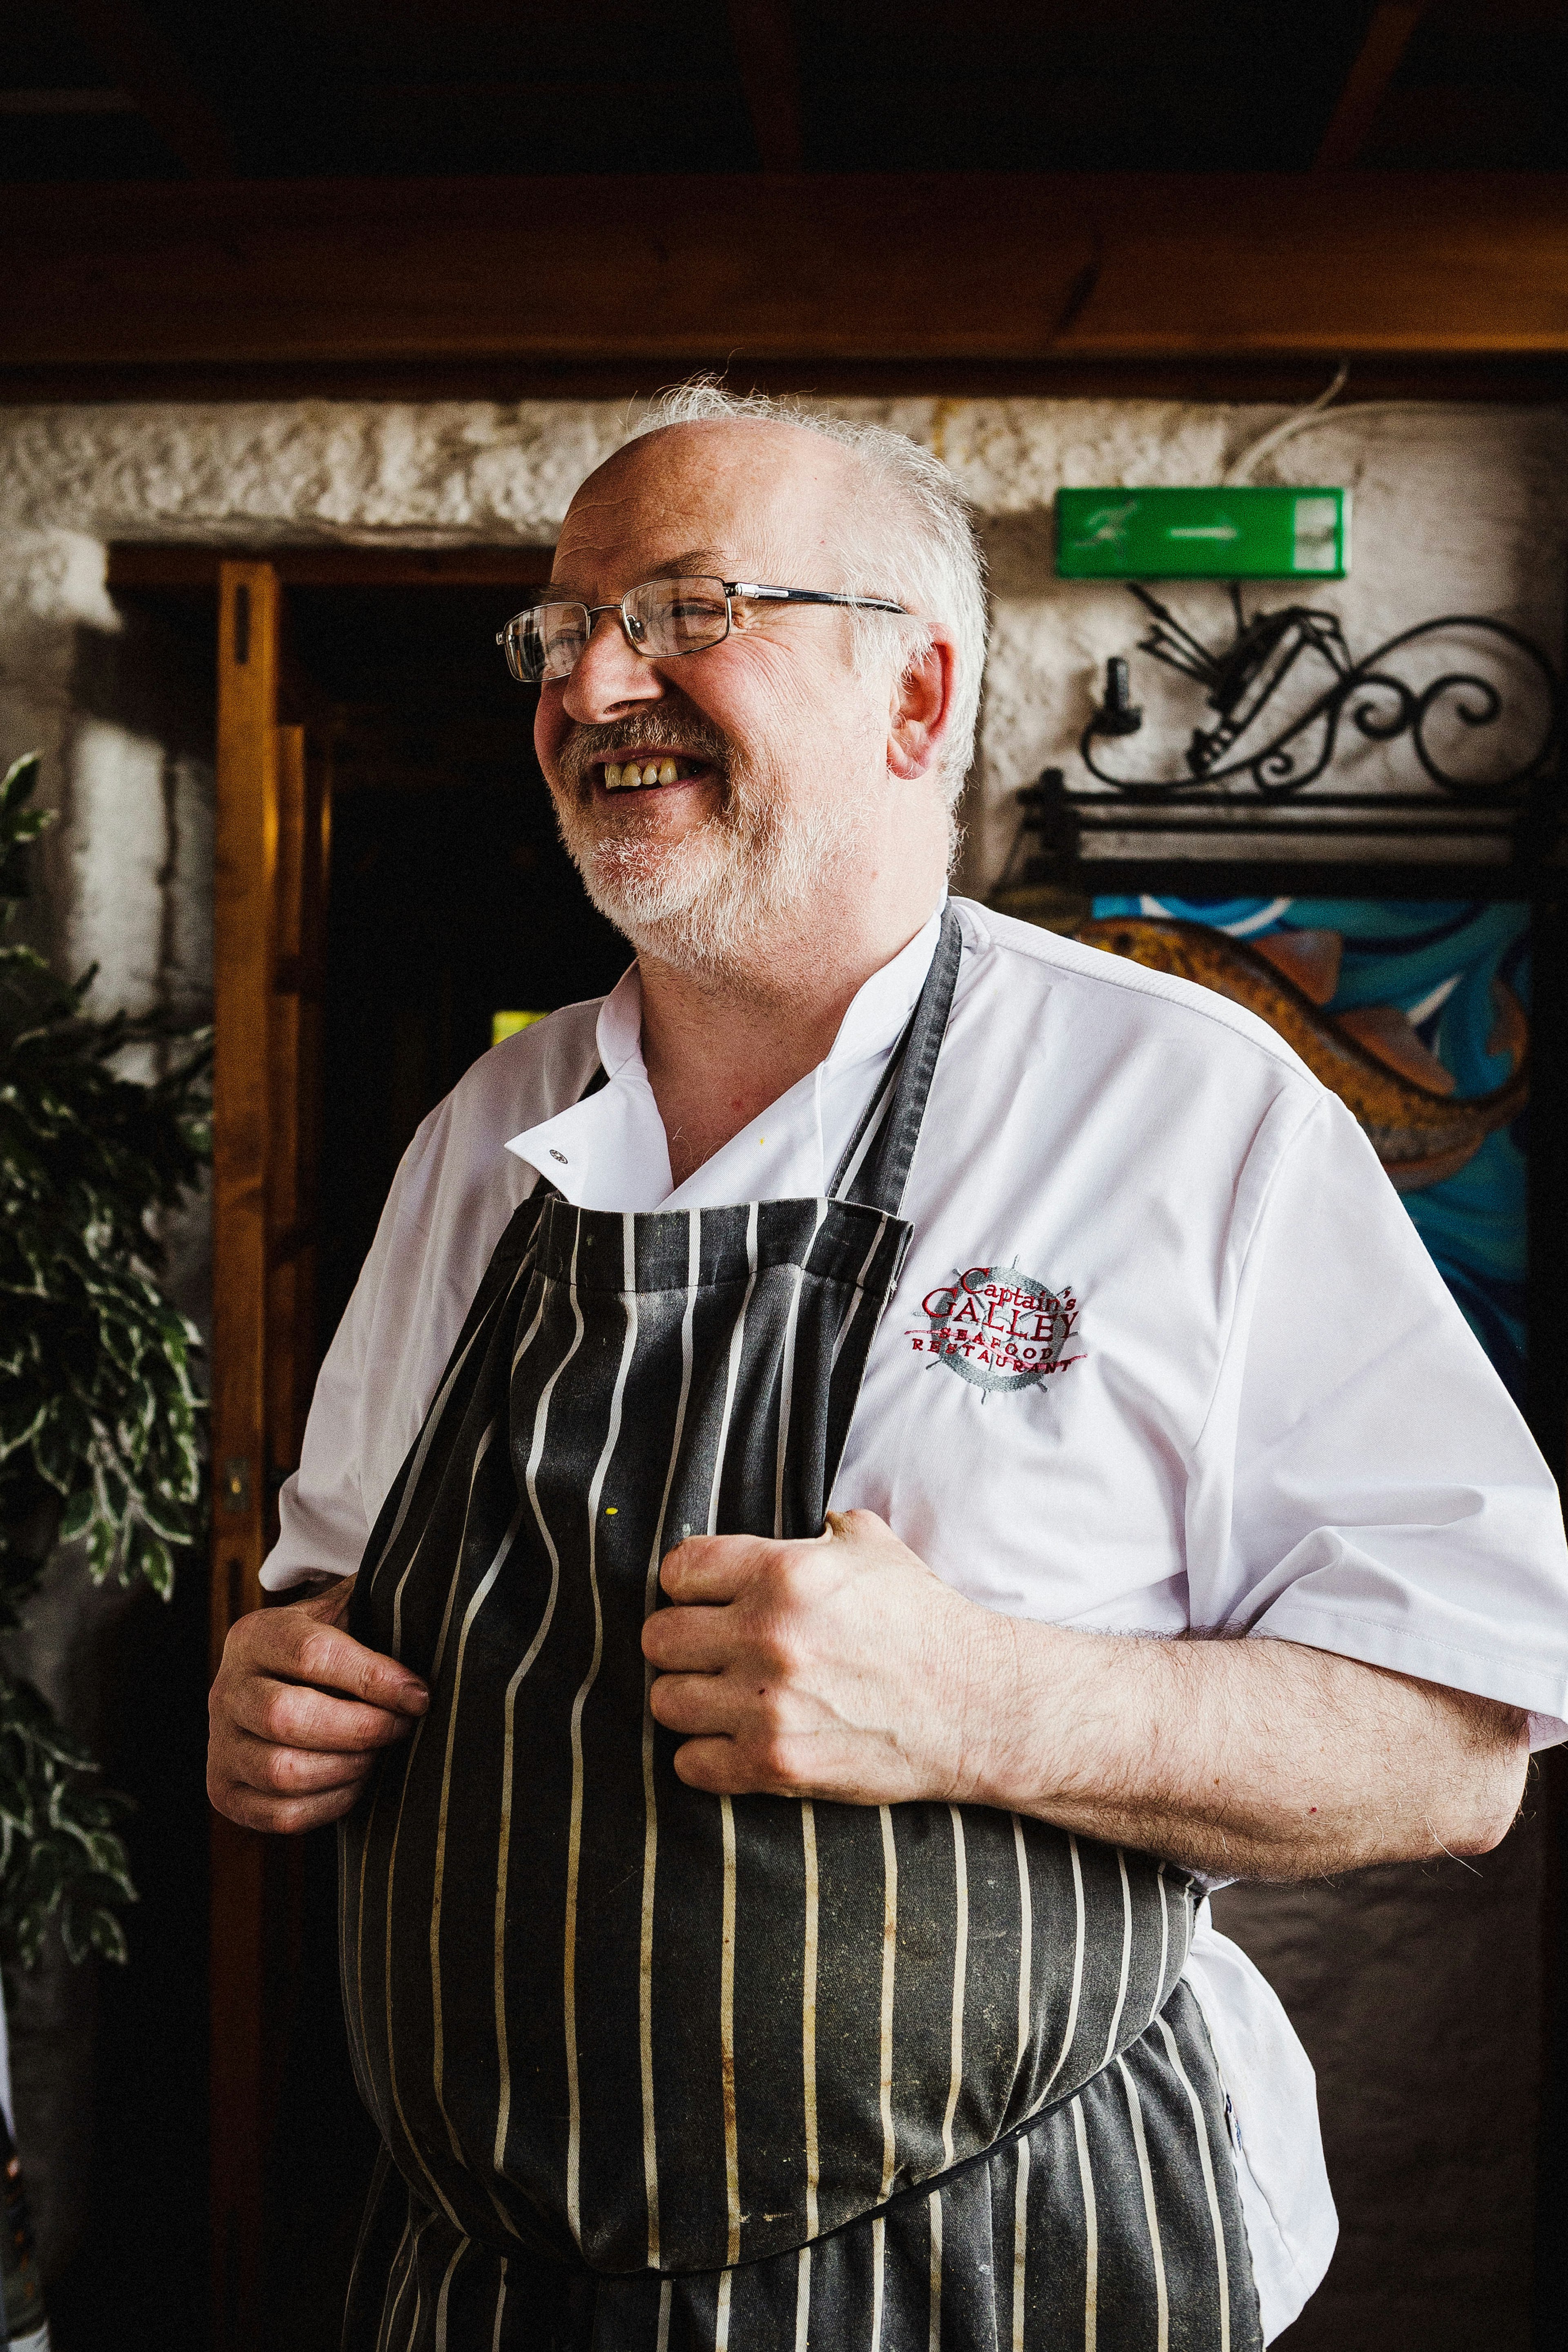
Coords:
pixel 655 2068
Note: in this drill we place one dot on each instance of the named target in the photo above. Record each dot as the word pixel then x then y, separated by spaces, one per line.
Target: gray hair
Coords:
pixel 912 539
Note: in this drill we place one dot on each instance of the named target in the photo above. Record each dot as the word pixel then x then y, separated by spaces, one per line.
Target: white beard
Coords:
pixel 700 903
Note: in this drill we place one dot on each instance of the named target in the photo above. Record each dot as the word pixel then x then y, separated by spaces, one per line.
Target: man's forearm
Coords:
pixel 1251 1758
pixel 843 1668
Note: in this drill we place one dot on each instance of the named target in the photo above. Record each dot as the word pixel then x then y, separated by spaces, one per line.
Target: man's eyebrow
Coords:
pixel 705 563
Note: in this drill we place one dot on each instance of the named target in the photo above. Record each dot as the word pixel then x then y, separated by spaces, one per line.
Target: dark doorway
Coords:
pixel 450 899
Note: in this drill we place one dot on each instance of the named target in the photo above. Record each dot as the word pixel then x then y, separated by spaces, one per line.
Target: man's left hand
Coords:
pixel 844 1668
pixel 836 1667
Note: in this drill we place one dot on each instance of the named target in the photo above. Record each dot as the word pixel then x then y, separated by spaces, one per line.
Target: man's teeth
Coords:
pixel 637 772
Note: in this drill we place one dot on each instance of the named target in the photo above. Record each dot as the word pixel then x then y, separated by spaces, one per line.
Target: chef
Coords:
pixel 791 1413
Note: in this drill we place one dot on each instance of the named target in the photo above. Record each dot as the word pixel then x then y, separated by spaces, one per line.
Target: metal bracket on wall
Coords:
pixel 1242 790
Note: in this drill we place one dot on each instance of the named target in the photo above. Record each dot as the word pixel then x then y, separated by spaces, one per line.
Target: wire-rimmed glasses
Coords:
pixel 662 619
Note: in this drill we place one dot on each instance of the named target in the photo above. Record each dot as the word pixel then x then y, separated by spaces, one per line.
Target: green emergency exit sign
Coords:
pixel 1240 535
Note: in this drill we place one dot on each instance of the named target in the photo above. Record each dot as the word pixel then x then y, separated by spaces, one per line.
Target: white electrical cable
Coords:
pixel 1242 468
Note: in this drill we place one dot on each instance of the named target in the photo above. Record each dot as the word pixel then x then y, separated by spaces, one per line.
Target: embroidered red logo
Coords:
pixel 999 1327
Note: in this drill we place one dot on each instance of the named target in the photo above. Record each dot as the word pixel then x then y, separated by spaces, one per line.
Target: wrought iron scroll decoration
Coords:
pixel 1243 682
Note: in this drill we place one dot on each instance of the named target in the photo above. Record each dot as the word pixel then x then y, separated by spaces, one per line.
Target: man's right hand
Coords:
pixel 297 1712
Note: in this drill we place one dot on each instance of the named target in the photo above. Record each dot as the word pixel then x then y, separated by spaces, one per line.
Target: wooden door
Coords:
pixel 272 830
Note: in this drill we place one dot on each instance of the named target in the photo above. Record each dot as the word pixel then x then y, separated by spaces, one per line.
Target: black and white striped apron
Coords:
pixel 655 2068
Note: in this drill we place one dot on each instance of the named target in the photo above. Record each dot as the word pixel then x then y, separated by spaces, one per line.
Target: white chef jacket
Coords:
pixel 1166 1353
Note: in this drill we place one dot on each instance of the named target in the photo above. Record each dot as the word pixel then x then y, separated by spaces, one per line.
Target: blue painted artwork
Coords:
pixel 1440 991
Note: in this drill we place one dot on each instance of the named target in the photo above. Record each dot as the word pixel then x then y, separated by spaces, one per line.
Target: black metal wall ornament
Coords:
pixel 1243 679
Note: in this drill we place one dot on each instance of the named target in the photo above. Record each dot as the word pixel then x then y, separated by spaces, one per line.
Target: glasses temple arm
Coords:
pixel 809 596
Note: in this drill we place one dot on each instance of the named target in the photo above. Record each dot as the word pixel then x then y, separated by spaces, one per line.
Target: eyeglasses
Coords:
pixel 662 619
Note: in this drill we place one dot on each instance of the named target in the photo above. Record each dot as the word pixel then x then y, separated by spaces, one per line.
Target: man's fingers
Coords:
pixel 695 1703
pixel 713 1569
pixel 330 1660
pixel 293 1646
pixel 294 1715
pixel 692 1641
pixel 265 1768
pixel 264 1787
pixel 707 1764
pixel 710 1568
pixel 252 1808
pixel 730 1768
pixel 299 1711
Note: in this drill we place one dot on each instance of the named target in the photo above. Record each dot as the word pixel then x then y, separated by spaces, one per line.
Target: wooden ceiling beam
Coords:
pixel 763 32
pixel 1376 62
pixel 152 72
pixel 661 273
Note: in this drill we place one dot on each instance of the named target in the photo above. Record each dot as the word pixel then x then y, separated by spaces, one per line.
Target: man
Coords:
pixel 759 1931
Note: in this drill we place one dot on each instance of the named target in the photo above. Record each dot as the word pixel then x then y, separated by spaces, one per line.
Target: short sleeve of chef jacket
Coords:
pixel 1380 1495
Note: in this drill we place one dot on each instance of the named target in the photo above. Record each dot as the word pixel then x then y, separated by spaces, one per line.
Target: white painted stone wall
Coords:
pixel 1455 508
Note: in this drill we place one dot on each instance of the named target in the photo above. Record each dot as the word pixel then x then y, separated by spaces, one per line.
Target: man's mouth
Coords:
pixel 650 771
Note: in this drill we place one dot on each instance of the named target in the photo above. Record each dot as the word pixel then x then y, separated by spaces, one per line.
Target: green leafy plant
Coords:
pixel 99 1420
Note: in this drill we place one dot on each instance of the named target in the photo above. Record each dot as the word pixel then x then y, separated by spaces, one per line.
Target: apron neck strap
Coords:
pixel 876 1165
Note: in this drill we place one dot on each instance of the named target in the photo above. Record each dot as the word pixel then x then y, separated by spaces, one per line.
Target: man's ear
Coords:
pixel 921 710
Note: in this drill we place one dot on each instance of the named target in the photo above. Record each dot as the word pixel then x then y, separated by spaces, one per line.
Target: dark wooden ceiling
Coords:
pixel 505 196
pixel 115 91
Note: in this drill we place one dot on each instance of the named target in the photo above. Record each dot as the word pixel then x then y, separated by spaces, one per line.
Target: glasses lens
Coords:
pixel 668 617
pixel 547 642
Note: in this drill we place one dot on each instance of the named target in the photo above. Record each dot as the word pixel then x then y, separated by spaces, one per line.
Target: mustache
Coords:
pixel 659 730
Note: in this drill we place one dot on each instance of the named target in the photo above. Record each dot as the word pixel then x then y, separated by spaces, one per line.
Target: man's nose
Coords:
pixel 609 676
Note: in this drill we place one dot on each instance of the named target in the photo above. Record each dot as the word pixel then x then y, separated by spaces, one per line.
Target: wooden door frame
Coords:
pixel 245 864
pixel 271 819
pixel 245 871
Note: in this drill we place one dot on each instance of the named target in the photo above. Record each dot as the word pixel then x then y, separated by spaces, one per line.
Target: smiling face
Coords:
pixel 708 798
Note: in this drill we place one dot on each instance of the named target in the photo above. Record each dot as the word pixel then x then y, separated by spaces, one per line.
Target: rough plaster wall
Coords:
pixel 1419 1993
pixel 1457 508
